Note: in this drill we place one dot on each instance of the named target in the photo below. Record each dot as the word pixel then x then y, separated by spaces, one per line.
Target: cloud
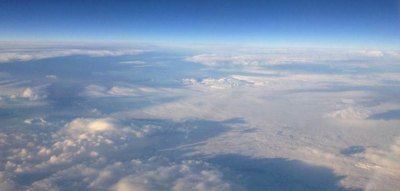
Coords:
pixel 213 83
pixel 288 56
pixel 129 145
pixel 135 62
pixel 100 152
pixel 350 113
pixel 32 94
pixel 372 53
pixel 26 55
pixel 52 77
pixel 91 125
pixel 6 184
pixel 37 120
pixel 188 175
pixel 386 167
pixel 251 59
pixel 124 90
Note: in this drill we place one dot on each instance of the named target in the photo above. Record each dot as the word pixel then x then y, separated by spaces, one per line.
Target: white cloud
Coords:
pixel 38 120
pixel 114 91
pixel 123 90
pixel 33 94
pixel 253 59
pixel 26 55
pixel 276 57
pixel 133 62
pixel 371 53
pixel 91 125
pixel 189 175
pixel 386 167
pixel 350 113
pixel 52 77
pixel 291 115
pixel 213 83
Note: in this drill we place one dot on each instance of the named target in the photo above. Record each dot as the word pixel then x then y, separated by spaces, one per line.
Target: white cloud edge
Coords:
pixel 37 54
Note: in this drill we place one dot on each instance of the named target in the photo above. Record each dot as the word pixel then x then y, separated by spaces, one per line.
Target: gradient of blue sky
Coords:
pixel 341 22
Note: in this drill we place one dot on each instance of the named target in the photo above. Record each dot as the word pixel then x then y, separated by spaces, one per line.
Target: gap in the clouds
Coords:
pixel 259 174
pixel 173 136
pixel 387 115
pixel 353 150
pixel 162 69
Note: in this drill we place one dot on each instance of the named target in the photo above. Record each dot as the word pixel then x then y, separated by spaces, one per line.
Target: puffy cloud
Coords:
pixel 38 120
pixel 23 89
pixel 188 175
pixel 221 83
pixel 33 94
pixel 350 113
pixel 91 125
pixel 98 153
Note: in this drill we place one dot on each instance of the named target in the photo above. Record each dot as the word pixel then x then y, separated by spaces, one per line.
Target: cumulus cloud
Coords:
pixel 38 120
pixel 213 83
pixel 188 175
pixel 32 94
pixel 350 113
pixel 91 125
pixel 94 151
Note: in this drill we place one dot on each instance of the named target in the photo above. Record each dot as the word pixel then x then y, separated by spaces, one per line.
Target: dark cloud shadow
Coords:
pixel 172 136
pixel 352 150
pixel 278 174
pixel 388 115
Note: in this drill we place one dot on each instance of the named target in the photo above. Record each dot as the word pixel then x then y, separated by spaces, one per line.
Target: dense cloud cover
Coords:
pixel 123 119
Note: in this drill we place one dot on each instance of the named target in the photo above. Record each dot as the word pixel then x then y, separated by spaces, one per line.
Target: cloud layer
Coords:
pixel 176 124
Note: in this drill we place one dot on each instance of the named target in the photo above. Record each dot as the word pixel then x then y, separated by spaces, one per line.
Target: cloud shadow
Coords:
pixel 260 174
pixel 388 115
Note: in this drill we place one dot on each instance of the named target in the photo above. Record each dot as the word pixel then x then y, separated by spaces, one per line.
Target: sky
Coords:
pixel 361 23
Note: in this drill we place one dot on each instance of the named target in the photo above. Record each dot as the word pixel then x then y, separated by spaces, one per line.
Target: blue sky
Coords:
pixel 365 23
